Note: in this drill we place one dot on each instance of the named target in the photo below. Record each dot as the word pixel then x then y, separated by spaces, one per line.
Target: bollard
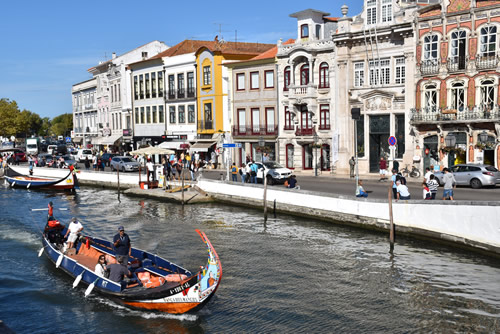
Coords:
pixel 391 226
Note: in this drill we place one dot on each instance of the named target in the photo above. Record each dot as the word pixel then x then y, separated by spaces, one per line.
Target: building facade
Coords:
pixel 457 115
pixel 85 118
pixel 306 94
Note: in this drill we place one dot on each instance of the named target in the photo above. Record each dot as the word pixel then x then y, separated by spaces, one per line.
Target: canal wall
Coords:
pixel 466 223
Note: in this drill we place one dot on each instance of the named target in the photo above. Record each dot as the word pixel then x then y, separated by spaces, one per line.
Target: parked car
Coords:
pixel 51 149
pixel 48 160
pixel 68 160
pixel 82 154
pixel 20 155
pixel 125 164
pixel 274 172
pixel 61 149
pixel 106 158
pixel 474 175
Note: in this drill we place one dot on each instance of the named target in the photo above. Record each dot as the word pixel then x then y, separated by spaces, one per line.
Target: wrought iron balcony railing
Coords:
pixel 304 132
pixel 465 115
pixel 486 61
pixel 457 63
pixel 429 66
pixel 255 130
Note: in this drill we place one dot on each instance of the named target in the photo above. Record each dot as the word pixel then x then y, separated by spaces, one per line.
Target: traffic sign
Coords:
pixel 392 140
pixel 68 139
pixel 232 145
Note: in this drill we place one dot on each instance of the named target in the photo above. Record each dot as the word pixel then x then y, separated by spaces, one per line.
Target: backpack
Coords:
pixel 401 179
pixel 233 170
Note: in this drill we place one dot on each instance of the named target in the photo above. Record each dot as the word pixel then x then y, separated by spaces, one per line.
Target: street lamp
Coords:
pixel 483 137
pixel 450 140
pixel 315 137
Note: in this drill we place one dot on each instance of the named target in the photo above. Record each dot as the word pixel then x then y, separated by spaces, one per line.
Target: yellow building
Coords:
pixel 213 82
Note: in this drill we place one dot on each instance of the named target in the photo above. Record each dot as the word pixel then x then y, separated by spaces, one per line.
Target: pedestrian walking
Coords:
pixel 253 174
pixel 433 186
pixel 426 193
pixel 383 169
pixel 427 175
pixel 352 165
pixel 449 184
pixel 87 163
pixel 243 173
pixel 234 172
pixel 395 165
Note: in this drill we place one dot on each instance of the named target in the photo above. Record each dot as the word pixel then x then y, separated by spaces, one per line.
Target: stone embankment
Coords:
pixel 466 223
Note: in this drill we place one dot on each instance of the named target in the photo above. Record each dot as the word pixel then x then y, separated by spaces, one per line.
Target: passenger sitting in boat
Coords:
pixel 118 271
pixel 101 268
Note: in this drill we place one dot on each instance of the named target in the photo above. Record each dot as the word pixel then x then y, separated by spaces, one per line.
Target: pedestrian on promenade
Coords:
pixel 427 175
pixel 426 193
pixel 192 169
pixel 234 172
pixel 394 178
pixel 292 182
pixel 243 173
pixel 151 170
pixel 122 245
pixel 433 186
pixel 403 192
pixel 383 169
pixel 94 162
pixel 360 191
pixel 254 167
pixel 248 171
pixel 352 164
pixel 449 184
pixel 395 165
pixel 87 163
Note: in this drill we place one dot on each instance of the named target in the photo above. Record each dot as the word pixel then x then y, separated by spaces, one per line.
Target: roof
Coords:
pixel 186 46
pixel 307 12
pixel 331 19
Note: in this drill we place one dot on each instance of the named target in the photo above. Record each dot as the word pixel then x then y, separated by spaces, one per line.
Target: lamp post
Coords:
pixel 450 140
pixel 316 155
pixel 483 137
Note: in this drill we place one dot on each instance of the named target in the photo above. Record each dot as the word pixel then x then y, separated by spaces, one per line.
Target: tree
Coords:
pixel 61 124
pixel 8 116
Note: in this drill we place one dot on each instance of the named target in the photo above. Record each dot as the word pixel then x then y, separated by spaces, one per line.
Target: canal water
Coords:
pixel 290 275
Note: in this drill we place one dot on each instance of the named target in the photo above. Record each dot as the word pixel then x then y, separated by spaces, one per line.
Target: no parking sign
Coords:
pixel 392 141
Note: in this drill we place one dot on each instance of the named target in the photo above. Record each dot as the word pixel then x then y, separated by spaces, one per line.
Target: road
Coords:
pixel 375 189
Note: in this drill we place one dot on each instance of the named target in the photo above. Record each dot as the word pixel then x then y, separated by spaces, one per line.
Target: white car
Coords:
pixel 51 148
pixel 275 173
pixel 82 154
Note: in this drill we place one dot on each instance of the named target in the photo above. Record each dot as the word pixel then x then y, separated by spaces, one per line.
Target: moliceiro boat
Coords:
pixel 157 284
pixel 18 180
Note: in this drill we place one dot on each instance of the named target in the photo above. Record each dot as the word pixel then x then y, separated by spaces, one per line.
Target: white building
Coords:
pixel 85 120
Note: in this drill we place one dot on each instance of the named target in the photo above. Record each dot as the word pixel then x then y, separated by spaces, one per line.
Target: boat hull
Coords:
pixel 18 180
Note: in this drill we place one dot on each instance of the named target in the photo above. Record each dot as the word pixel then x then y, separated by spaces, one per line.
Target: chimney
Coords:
pixel 113 55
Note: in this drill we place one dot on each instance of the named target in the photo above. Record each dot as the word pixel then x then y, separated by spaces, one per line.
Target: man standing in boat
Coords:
pixel 122 245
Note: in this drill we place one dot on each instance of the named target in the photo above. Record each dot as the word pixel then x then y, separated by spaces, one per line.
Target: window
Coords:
pixel 119 94
pixel 304 31
pixel 155 118
pixel 143 119
pixel 171 112
pixel 318 31
pixel 371 11
pixel 458 49
pixel 148 87
pixel 160 84
pixel 324 117
pixel 400 70
pixel 171 86
pixel 430 97
pixel 487 90
pixel 240 81
pixel 141 86
pixel 380 72
pixel 359 74
pixel 400 136
pixel 325 157
pixel 324 79
pixel 180 85
pixel 488 41
pixel 207 76
pixel 286 78
pixel 360 140
pixel 254 80
pixel 386 10
pixel 161 115
pixel 148 115
pixel 289 156
pixel 112 94
pixel 182 114
pixel 137 120
pixel 190 84
pixel 255 120
pixel 241 121
pixel 191 118
pixel 270 120
pixel 307 156
pixel 457 96
pixel 269 79
pixel 153 85
pixel 305 118
pixel 430 49
pixel 288 120
pixel 304 75
pixel 208 115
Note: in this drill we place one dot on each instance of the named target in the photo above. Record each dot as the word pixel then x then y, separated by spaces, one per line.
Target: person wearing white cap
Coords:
pixel 122 245
pixel 74 228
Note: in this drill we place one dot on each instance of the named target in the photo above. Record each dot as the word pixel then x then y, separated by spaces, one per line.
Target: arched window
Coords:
pixel 304 75
pixel 324 81
pixel 289 156
pixel 488 93
pixel 430 97
pixel 286 78
pixel 288 120
pixel 458 96
pixel 488 41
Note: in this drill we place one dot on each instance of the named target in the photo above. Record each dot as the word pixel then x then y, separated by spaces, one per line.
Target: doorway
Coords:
pixel 379 136
pixel 430 154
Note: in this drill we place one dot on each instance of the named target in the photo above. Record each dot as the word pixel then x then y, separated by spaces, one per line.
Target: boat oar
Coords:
pixel 13 184
pixel 62 209
pixel 78 279
pixel 91 287
pixel 40 252
pixel 59 260
pixel 29 185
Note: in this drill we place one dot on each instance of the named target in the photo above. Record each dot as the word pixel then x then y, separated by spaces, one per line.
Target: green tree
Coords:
pixel 8 116
pixel 45 127
pixel 62 124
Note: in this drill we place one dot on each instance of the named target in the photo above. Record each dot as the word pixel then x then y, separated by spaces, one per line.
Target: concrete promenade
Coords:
pixel 472 224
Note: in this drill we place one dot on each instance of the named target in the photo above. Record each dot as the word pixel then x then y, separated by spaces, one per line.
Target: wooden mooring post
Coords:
pixel 182 185
pixel 118 178
pixel 391 226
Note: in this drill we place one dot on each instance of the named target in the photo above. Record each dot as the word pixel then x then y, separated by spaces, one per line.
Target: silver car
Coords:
pixel 475 176
pixel 124 164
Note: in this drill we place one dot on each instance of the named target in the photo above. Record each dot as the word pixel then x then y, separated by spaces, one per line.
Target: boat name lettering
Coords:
pixel 180 288
pixel 183 300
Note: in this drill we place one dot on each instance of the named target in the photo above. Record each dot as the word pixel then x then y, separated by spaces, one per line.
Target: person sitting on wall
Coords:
pixel 360 191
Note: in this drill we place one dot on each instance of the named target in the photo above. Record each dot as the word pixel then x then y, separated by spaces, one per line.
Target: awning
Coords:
pixel 77 140
pixel 110 140
pixel 173 145
pixel 201 146
pixel 96 140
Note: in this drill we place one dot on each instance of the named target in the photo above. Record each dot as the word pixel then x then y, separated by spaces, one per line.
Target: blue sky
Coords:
pixel 47 46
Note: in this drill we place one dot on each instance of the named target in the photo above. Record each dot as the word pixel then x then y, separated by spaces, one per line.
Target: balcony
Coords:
pixel 205 125
pixel 429 67
pixel 191 92
pixel 486 62
pixel 456 63
pixel 180 93
pixel 477 114
pixel 257 130
pixel 171 94
pixel 304 132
